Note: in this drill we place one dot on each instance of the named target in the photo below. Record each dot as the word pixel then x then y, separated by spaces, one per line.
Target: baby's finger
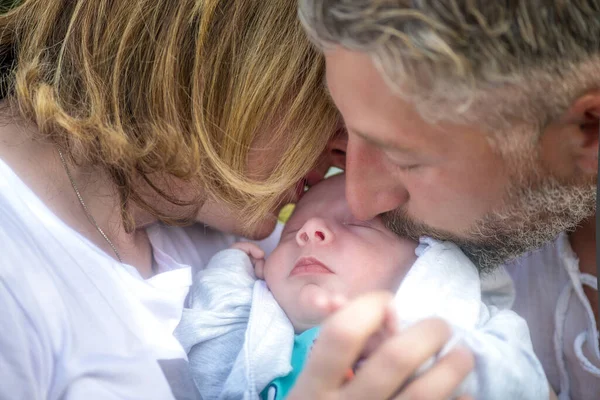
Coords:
pixel 243 246
pixel 341 341
pixel 259 268
pixel 256 251
pixel 396 359
pixel 249 248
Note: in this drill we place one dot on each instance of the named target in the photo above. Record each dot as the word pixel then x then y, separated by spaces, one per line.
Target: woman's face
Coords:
pixel 261 161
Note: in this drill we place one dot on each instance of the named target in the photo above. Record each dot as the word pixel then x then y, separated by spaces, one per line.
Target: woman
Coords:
pixel 122 114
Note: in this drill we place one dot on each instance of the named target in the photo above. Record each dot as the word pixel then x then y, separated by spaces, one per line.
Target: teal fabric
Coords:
pixel 280 387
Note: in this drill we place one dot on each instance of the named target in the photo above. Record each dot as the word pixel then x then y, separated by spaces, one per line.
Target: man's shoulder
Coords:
pixel 546 260
pixel 540 275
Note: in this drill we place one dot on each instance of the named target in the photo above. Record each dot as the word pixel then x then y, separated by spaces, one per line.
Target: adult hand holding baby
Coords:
pixel 343 338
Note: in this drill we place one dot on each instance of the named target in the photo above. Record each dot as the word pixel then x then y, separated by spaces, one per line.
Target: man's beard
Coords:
pixel 536 210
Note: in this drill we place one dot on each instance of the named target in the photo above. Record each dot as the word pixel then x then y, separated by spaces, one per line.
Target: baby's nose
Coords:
pixel 315 231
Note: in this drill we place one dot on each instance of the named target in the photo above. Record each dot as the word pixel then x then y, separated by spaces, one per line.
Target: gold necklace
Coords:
pixel 85 209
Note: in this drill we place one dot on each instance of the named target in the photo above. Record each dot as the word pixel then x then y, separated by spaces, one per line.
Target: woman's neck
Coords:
pixel 39 166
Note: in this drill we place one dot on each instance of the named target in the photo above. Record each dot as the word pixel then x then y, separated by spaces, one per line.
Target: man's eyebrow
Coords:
pixel 380 143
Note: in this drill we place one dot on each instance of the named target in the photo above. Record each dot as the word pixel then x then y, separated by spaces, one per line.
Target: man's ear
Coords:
pixel 584 117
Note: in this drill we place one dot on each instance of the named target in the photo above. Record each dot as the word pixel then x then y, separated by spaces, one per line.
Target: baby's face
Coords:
pixel 325 250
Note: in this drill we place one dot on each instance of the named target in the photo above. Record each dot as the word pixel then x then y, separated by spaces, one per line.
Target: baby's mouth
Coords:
pixel 309 266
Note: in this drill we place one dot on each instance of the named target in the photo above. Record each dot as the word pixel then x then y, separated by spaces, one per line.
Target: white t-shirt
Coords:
pixel 549 295
pixel 76 324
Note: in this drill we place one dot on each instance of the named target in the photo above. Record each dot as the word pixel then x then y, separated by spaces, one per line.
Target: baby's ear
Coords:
pixel 259 268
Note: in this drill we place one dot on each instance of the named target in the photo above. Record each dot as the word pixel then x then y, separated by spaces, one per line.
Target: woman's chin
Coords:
pixel 262 230
pixel 226 220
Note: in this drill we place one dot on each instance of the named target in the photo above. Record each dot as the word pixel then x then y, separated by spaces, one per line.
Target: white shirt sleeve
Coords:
pixel 505 364
pixel 444 283
pixel 213 329
pixel 237 337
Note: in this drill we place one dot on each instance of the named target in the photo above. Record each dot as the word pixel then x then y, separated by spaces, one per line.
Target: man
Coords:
pixel 477 122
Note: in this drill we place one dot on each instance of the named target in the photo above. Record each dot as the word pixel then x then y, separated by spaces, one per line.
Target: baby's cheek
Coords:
pixel 274 269
pixel 273 283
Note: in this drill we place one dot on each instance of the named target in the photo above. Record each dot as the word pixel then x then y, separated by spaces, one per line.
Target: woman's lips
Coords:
pixel 300 189
pixel 311 179
pixel 309 265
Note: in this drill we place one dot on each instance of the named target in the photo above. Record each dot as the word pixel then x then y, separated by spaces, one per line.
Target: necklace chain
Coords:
pixel 85 209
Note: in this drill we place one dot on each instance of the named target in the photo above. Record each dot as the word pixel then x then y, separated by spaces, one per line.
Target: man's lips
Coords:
pixel 309 265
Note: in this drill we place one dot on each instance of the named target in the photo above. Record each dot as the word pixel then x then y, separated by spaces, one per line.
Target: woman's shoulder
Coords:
pixel 195 245
pixel 19 223
pixel 190 246
pixel 30 233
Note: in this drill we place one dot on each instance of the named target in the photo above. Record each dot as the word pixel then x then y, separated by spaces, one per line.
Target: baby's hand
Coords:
pixel 256 254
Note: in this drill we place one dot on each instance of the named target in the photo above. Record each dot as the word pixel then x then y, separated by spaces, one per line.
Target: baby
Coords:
pixel 324 251
pixel 252 321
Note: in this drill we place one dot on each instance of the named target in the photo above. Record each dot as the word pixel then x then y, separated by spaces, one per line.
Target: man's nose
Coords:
pixel 371 187
pixel 314 231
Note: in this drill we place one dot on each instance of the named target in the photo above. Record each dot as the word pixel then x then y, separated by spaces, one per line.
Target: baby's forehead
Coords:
pixel 316 206
pixel 325 200
pixel 330 209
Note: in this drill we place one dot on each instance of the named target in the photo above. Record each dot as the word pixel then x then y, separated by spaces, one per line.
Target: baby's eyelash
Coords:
pixel 361 225
pixel 357 224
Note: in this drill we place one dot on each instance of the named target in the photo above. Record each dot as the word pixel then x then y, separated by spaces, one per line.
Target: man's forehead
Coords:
pixel 369 107
pixel 350 74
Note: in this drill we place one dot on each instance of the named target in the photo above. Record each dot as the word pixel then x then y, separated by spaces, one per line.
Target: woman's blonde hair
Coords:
pixel 148 87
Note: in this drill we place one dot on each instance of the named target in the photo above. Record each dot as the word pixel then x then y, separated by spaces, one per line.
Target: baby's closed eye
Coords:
pixel 362 224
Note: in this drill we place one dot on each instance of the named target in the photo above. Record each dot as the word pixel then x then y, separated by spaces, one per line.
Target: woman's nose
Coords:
pixel 314 231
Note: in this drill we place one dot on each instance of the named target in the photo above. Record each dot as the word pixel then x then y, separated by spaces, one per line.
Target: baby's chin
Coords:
pixel 312 307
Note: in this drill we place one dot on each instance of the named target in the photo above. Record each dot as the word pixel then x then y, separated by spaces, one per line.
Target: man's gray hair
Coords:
pixel 515 58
